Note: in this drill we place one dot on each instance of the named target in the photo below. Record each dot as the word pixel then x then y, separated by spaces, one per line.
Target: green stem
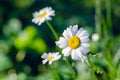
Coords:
pixel 52 29
pixel 108 14
pixel 91 68
pixel 105 29
pixel 54 72
pixel 98 16
pixel 70 66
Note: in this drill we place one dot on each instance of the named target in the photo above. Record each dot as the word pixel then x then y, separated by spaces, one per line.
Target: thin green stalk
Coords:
pixel 52 29
pixel 105 30
pixel 108 14
pixel 98 16
pixel 54 72
pixel 70 66
pixel 112 73
pixel 91 68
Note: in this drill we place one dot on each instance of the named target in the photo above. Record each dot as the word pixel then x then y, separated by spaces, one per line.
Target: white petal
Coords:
pixel 50 62
pixel 33 20
pixel 63 46
pixel 57 57
pixel 62 43
pixel 37 20
pixel 74 29
pixel 56 53
pixel 84 50
pixel 84 37
pixel 84 40
pixel 83 33
pixel 44 61
pixel 48 18
pixel 39 23
pixel 66 34
pixel 66 51
pixel 79 31
pixel 63 40
pixel 70 32
pixel 52 13
pixel 35 14
pixel 57 43
pixel 74 55
pixel 49 54
pixel 85 44
pixel 84 58
pixel 44 56
pixel 79 53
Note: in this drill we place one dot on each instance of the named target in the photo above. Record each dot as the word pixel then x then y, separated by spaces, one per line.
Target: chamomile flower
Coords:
pixel 43 15
pixel 50 57
pixel 75 42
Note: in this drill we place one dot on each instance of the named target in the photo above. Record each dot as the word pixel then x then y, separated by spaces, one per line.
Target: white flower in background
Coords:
pixel 43 15
pixel 95 37
pixel 75 42
pixel 50 57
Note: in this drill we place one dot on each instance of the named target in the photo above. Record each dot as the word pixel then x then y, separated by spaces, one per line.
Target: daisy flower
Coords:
pixel 50 57
pixel 43 15
pixel 75 42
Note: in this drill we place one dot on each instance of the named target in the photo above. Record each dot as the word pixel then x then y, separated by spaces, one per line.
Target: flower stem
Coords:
pixel 108 13
pixel 91 68
pixel 54 72
pixel 70 66
pixel 52 29
pixel 98 16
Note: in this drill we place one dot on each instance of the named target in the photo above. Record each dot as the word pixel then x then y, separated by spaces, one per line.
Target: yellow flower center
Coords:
pixel 42 15
pixel 50 58
pixel 74 42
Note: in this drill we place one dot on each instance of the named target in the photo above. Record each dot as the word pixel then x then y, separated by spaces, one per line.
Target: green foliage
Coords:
pixel 25 38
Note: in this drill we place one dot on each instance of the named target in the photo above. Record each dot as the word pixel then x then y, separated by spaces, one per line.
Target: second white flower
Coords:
pixel 43 15
pixel 75 42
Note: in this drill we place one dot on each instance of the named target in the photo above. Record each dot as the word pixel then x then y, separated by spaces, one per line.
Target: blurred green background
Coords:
pixel 23 42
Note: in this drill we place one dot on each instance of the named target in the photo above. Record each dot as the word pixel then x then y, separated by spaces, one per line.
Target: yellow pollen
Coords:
pixel 50 58
pixel 42 15
pixel 74 42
